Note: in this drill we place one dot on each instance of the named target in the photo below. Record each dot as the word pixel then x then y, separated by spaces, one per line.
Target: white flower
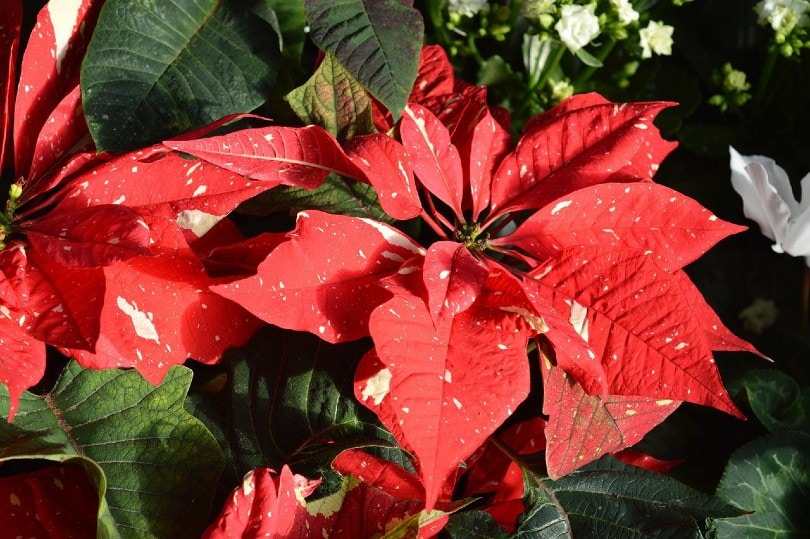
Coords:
pixel 625 10
pixel 768 199
pixel 656 38
pixel 466 8
pixel 783 15
pixel 578 26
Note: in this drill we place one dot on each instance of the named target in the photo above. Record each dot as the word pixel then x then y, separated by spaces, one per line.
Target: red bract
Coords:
pixel 379 498
pixel 564 236
pixel 101 254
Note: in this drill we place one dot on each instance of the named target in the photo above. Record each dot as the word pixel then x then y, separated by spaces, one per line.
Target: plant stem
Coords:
pixel 586 73
pixel 805 300
pixel 762 85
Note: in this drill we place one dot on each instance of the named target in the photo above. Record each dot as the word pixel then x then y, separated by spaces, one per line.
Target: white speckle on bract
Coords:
pixel 141 321
pixel 377 386
pixel 192 168
pixel 64 15
pixel 199 191
pixel 444 274
pixel 457 403
pixel 248 483
pixel 448 376
pixel 197 221
pixel 664 402
pixel 393 237
pixel 120 200
pixel 640 126
pixel 712 218
pixel 560 206
pixel 392 256
pixel 681 346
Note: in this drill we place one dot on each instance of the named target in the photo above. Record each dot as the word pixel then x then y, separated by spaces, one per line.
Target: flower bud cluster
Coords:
pixel 789 20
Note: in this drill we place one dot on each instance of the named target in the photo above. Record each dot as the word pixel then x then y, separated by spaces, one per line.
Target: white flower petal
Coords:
pixel 744 185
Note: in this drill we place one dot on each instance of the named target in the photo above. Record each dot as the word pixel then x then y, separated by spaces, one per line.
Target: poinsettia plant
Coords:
pixel 430 273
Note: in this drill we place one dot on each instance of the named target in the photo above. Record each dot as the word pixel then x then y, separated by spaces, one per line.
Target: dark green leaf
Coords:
pixel 378 41
pixel 771 477
pixel 777 400
pixel 544 517
pixel 161 464
pixel 157 69
pixel 333 99
pixel 292 20
pixel 290 400
pixel 336 195
pixel 611 499
pixel 473 525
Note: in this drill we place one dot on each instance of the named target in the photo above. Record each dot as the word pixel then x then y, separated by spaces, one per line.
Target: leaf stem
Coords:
pixel 805 300
pixel 586 73
pixel 764 79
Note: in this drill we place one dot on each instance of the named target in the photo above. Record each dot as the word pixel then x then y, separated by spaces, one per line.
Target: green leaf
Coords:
pixel 771 477
pixel 611 499
pixel 333 99
pixel 777 400
pixel 289 400
pixel 473 525
pixel 544 517
pixel 157 69
pixel 161 465
pixel 292 20
pixel 336 196
pixel 378 41
pixel 588 59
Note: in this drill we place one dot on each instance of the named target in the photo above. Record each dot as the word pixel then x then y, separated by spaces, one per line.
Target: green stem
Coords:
pixel 805 300
pixel 553 61
pixel 588 72
pixel 762 85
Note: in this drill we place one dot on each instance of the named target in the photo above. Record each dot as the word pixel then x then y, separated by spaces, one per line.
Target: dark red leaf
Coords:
pixel 199 193
pixel 453 278
pixel 331 291
pixel 277 155
pixel 381 474
pixel 719 336
pixel 22 362
pixel 436 376
pixel 157 311
pixel 265 505
pixel 387 167
pixel 581 427
pixel 64 303
pixel 578 147
pixel 648 462
pixel 90 237
pixel 49 72
pixel 643 216
pixel 634 316
pixel 487 146
pixel 57 502
pixel 60 136
pixel 10 24
pixel 435 160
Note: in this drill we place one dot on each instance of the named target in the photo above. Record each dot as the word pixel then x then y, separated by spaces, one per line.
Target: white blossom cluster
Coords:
pixel 466 8
pixel 578 24
pixel 783 15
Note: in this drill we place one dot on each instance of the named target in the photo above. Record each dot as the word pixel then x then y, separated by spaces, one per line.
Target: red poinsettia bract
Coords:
pixel 100 253
pixel 563 236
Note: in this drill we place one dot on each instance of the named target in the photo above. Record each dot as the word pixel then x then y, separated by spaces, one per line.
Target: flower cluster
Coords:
pixel 549 30
pixel 789 21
